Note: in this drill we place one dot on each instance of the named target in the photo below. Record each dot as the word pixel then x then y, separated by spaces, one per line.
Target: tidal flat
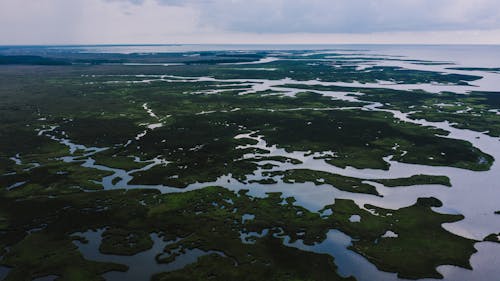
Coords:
pixel 318 164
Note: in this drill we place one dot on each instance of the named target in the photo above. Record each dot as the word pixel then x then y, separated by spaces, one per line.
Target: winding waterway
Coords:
pixel 472 193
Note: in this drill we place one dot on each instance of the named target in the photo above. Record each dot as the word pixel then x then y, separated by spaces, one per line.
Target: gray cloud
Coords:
pixel 149 21
pixel 342 16
pixel 135 2
pixel 349 16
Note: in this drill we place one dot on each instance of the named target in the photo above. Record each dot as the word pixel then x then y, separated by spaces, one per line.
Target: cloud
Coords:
pixel 93 21
pixel 349 16
pixel 217 21
pixel 134 2
pixel 342 16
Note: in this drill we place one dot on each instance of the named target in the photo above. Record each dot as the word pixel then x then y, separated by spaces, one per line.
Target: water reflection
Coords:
pixel 142 265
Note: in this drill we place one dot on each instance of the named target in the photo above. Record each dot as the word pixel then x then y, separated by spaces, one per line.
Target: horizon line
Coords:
pixel 240 44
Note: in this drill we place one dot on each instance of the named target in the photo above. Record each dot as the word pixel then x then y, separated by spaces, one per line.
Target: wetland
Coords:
pixel 319 164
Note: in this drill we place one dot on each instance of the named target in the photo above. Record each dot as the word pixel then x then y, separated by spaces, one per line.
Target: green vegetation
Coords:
pixel 349 184
pixel 210 219
pixel 318 178
pixel 118 161
pixel 362 139
pixel 205 219
pixel 421 243
pixel 40 255
pixel 476 68
pixel 493 238
pixel 286 264
pixel 475 111
pixel 30 60
pixel 264 181
pixel 53 178
pixel 415 180
pixel 280 159
pixel 125 242
pixel 123 117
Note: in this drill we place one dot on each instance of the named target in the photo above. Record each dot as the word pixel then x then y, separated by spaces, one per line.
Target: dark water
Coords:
pixel 3 272
pixel 142 265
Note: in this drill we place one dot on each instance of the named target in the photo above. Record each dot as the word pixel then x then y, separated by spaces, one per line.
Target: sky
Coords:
pixel 249 22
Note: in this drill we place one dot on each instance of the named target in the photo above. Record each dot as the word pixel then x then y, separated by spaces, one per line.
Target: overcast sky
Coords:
pixel 248 21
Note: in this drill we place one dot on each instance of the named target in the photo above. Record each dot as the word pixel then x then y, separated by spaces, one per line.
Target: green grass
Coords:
pixel 343 183
pixel 422 244
pixel 415 180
